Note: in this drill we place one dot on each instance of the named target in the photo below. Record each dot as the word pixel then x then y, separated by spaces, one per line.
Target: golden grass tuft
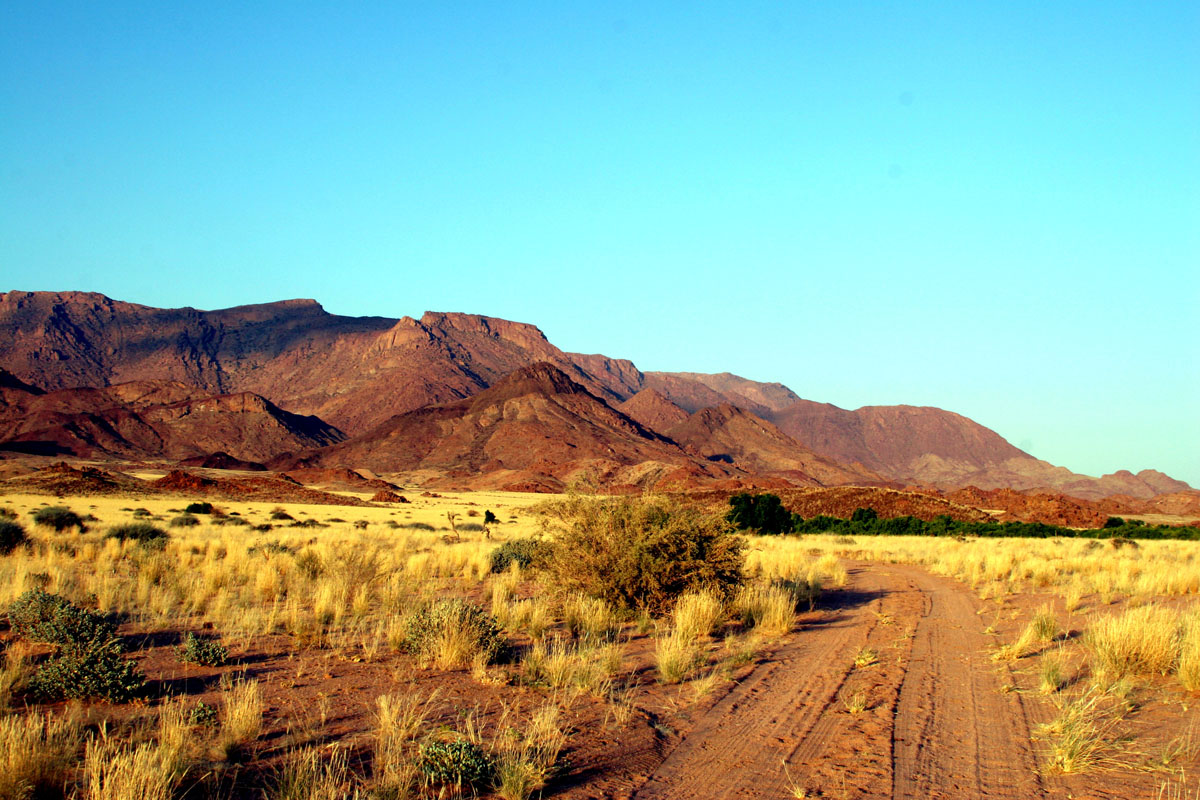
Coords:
pixel 36 753
pixel 1140 641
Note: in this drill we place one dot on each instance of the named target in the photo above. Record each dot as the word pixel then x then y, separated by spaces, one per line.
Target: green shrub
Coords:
pixel 459 763
pixel 83 670
pixel 59 518
pixel 452 631
pixel 141 532
pixel 185 521
pixel 141 512
pixel 203 715
pixel 199 508
pixel 489 518
pixel 280 515
pixel 864 515
pixel 206 652
pixel 12 536
pixel 525 552
pixel 44 617
pixel 643 552
pixel 759 512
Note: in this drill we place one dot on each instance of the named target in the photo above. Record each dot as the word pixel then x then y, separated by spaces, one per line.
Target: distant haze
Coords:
pixel 995 211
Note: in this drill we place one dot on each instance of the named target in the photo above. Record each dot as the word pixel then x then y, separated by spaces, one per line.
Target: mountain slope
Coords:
pixel 536 418
pixel 154 419
pixel 731 435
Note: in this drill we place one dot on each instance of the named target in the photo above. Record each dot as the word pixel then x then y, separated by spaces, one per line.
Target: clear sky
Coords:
pixel 989 207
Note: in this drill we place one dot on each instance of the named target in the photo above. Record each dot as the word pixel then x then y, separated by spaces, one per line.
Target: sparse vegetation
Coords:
pixel 12 536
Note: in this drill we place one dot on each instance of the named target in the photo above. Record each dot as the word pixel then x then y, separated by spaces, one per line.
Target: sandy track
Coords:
pixel 956 734
pixel 781 714
pixel 939 709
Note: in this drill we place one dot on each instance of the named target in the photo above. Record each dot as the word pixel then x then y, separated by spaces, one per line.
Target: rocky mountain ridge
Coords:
pixel 357 373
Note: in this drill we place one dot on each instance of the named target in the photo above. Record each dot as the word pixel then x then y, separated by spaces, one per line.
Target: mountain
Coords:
pixel 154 419
pixel 934 447
pixel 731 435
pixel 537 419
pixel 358 373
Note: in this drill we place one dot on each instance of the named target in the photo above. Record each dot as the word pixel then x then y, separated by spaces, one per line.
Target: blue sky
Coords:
pixel 988 207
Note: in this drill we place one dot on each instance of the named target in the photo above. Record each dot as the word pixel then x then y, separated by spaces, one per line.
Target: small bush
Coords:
pixel 185 521
pixel 59 518
pixel 459 763
pixel 7 513
pixel 206 652
pixel 141 512
pixel 643 553
pixel 43 617
pixel 489 518
pixel 199 508
pixel 525 552
pixel 88 669
pixel 141 532
pixel 12 536
pixel 452 633
pixel 280 515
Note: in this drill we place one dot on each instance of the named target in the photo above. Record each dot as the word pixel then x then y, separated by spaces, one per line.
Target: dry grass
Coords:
pixel 1141 641
pixel 696 615
pixel 36 753
pixel 769 609
pixel 1083 736
pixel 241 720
pixel 526 758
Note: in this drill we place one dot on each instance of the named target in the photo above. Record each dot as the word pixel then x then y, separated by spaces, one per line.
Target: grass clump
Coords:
pixel 199 508
pixel 452 633
pixel 143 533
pixel 43 617
pixel 12 536
pixel 697 614
pixel 184 521
pixel 770 609
pixel 1082 736
pixel 241 719
pixel 590 618
pixel 1140 641
pixel 93 669
pixel 643 552
pixel 60 518
pixel 526 759
pixel 203 651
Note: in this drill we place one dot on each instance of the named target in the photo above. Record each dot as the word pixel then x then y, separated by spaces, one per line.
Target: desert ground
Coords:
pixel 839 667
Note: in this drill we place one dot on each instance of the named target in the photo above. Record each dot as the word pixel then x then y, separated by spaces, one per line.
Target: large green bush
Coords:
pixel 525 552
pixel 59 518
pixel 43 617
pixel 643 552
pixel 12 536
pixel 83 670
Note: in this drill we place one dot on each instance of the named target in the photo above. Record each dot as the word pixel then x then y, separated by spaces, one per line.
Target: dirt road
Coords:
pixel 936 723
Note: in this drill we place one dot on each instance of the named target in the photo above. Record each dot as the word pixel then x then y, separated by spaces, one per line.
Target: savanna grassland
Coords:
pixel 510 645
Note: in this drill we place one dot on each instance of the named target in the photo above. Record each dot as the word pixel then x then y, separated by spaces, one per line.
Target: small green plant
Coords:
pixel 457 763
pixel 83 670
pixel 523 552
pixel 199 508
pixel 184 521
pixel 203 715
pixel 206 652
pixel 59 518
pixel 856 702
pixel 43 617
pixel 143 533
pixel 866 657
pixel 12 536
